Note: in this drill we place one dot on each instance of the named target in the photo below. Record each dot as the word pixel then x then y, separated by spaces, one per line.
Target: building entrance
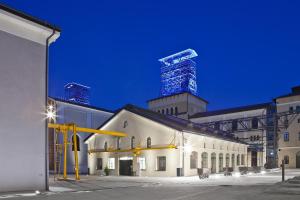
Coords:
pixel 125 167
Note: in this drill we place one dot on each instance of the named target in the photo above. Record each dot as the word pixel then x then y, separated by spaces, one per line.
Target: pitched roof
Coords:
pixel 231 110
pixel 175 123
pixel 28 17
pixel 82 105
pixel 178 94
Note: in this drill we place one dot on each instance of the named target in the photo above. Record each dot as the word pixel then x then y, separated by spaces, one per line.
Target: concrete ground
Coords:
pixel 254 186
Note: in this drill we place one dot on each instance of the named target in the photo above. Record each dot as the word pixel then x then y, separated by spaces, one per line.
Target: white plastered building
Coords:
pixel 197 147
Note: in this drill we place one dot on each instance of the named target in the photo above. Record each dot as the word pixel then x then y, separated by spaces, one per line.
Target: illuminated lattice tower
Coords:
pixel 77 93
pixel 178 73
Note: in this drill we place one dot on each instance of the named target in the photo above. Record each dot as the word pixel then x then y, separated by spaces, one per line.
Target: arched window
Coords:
pixel 204 160
pixel 167 112
pixel 227 160
pixel 132 142
pixel 220 162
pixel 148 142
pixel 125 124
pixel 118 142
pixel 172 111
pixel 232 161
pixel 77 142
pixel 194 160
pixel 176 111
pixel 243 159
pixel 238 160
pixel 105 146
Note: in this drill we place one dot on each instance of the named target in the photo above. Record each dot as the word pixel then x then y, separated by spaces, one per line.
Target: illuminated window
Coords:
pixel 142 163
pixel 111 163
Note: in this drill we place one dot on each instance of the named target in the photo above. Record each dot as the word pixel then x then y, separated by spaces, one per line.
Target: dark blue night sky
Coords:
pixel 249 51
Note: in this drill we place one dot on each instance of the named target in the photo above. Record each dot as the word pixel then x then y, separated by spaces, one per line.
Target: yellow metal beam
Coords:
pixel 86 130
pixel 65 128
pixel 137 149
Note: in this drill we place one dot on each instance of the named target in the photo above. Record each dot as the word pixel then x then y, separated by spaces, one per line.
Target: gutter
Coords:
pixel 46 102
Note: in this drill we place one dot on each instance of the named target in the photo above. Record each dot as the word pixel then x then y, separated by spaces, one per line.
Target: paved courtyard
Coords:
pixel 254 186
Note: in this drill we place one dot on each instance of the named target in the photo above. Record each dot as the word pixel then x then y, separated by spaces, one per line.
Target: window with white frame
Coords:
pixel 142 163
pixel 111 163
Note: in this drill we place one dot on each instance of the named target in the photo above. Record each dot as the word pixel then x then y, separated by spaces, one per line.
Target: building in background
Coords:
pixel 77 93
pixel 83 116
pixel 246 125
pixel 181 105
pixel 289 137
pixel 24 43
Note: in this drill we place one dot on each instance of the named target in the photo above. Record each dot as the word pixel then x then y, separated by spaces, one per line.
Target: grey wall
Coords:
pixel 83 117
pixel 22 128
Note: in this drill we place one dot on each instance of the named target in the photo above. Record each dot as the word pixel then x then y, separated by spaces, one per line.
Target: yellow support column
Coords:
pixel 65 132
pixel 75 152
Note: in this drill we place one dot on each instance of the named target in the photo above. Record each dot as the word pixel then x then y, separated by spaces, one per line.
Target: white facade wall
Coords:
pixel 142 128
pixel 23 147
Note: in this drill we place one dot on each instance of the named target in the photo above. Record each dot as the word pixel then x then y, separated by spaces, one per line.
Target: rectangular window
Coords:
pixel 161 163
pixel 286 160
pixel 286 136
pixel 299 120
pixel 299 136
pixel 142 163
pixel 111 163
pixel 291 109
pixel 99 163
pixel 298 109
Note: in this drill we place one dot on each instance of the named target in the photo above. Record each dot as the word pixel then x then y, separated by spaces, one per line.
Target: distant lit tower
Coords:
pixel 77 93
pixel 178 73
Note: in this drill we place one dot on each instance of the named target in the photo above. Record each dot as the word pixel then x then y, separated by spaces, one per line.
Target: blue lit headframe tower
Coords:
pixel 178 73
pixel 77 93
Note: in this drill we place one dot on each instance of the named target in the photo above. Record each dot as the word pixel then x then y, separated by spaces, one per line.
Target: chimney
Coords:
pixel 296 90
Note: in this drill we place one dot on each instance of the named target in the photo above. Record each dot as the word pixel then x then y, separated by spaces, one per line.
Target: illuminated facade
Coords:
pixel 178 73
